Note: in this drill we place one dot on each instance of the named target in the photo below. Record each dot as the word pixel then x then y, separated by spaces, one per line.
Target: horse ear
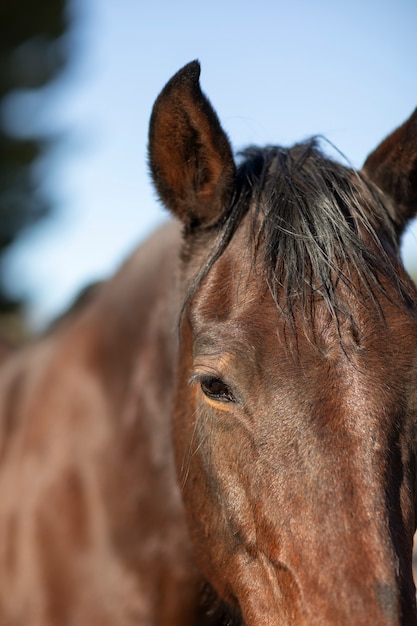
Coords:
pixel 393 167
pixel 190 156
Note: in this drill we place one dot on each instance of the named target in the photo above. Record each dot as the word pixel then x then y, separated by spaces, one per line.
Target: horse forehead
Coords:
pixel 239 283
pixel 235 303
pixel 235 313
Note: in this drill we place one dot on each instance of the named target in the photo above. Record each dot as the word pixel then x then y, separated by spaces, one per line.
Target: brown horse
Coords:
pixel 267 348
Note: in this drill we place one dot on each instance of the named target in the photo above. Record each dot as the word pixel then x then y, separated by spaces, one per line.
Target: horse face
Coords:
pixel 295 413
pixel 296 454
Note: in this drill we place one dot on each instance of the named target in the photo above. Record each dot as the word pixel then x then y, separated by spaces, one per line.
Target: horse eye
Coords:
pixel 216 389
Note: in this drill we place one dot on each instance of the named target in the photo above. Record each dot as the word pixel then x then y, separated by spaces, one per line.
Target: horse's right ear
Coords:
pixel 393 167
pixel 190 156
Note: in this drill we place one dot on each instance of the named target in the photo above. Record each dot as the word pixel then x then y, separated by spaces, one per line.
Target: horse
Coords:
pixel 225 431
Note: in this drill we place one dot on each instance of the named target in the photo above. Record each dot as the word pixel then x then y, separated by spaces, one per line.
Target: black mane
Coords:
pixel 315 222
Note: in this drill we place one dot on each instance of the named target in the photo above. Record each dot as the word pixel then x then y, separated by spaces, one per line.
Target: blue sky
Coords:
pixel 276 72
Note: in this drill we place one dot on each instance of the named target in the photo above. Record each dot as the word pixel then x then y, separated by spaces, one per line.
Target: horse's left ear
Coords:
pixel 393 167
pixel 189 153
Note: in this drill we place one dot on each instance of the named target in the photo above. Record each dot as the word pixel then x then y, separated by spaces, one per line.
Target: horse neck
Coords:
pixel 135 319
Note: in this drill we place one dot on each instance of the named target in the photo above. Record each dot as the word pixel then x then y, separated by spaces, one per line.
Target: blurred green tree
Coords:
pixel 32 54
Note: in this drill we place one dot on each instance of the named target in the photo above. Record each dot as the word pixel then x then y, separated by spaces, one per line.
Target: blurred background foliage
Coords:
pixel 32 54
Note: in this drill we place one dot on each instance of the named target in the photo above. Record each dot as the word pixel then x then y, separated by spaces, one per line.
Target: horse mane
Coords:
pixel 315 222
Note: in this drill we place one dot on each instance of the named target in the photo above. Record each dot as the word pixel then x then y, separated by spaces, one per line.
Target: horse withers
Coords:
pixel 236 409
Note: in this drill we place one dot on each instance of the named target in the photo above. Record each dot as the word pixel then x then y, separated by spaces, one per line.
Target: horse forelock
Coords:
pixel 313 224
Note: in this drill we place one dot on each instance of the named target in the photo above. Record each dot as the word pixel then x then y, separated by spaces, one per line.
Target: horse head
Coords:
pixel 296 391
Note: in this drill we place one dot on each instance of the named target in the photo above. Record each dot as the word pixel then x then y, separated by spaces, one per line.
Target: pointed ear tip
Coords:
pixel 190 73
pixel 184 79
pixel 413 117
pixel 194 68
pixel 410 126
